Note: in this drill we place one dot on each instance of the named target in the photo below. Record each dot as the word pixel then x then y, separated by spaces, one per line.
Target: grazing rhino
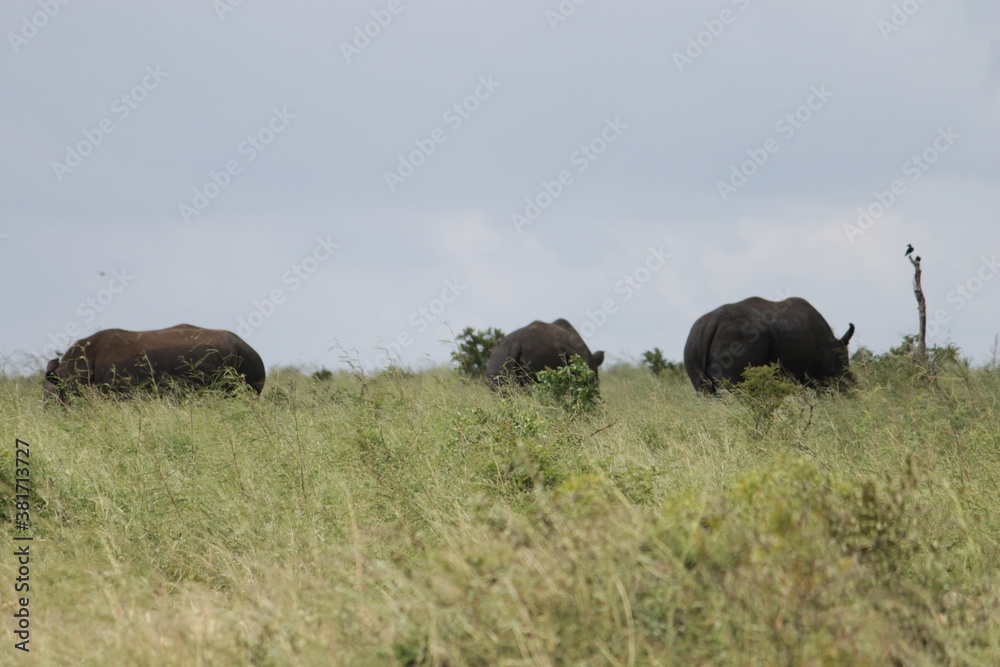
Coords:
pixel 757 332
pixel 540 345
pixel 120 361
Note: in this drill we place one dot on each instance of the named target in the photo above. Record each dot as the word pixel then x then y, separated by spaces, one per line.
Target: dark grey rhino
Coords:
pixel 757 332
pixel 540 345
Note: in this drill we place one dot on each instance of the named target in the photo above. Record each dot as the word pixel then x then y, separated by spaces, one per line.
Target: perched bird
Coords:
pixel 918 259
pixel 909 249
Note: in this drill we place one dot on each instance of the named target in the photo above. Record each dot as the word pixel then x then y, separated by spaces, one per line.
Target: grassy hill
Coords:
pixel 424 520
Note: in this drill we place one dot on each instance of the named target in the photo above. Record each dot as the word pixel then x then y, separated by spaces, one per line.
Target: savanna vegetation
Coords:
pixel 423 519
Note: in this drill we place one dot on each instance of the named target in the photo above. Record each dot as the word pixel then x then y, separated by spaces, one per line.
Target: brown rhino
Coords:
pixel 121 362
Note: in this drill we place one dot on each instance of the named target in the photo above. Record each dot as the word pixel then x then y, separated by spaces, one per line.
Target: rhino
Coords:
pixel 122 362
pixel 521 354
pixel 757 332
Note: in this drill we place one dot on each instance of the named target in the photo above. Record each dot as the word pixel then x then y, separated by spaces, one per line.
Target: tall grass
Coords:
pixel 424 520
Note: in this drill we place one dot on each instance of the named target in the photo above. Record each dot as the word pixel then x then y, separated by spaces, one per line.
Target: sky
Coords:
pixel 359 181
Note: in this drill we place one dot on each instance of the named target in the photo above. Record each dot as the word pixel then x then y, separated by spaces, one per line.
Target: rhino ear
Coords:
pixel 847 336
pixel 50 371
pixel 598 357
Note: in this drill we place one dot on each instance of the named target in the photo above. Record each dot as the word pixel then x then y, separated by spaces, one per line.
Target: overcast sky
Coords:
pixel 330 178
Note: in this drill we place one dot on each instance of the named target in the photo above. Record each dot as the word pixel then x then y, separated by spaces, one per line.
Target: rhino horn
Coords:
pixel 847 336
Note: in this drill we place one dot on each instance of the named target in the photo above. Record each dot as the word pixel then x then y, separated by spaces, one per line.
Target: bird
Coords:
pixel 918 259
pixel 909 249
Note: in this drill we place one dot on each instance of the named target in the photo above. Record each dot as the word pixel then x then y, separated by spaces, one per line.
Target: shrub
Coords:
pixel 814 541
pixel 656 363
pixel 574 386
pixel 937 355
pixel 515 450
pixel 902 364
pixel 474 347
pixel 323 375
pixel 654 359
pixel 762 392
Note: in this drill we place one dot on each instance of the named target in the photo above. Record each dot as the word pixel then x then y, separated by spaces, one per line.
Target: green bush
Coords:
pixel 762 392
pixel 573 386
pixel 474 347
pixel 654 359
pixel 323 375
pixel 810 546
pixel 657 364
pixel 901 364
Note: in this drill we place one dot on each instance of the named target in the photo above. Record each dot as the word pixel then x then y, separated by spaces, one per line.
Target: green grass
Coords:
pixel 424 520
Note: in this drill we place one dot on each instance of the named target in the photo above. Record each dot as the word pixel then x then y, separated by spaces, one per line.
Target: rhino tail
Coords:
pixel 563 352
pixel 706 379
pixel 515 359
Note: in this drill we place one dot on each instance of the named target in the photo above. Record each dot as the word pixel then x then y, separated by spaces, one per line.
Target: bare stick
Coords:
pixel 602 428
pixel 918 291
